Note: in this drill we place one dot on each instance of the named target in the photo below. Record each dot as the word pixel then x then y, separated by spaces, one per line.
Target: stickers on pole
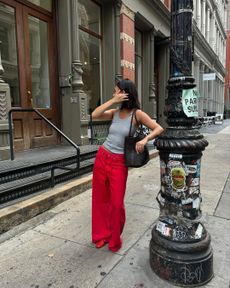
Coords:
pixel 190 102
pixel 199 231
pixel 163 228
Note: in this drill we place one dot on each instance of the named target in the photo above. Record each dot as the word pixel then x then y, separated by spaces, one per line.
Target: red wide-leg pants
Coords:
pixel 109 184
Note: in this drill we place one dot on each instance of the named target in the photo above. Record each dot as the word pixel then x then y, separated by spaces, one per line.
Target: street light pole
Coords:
pixel 180 250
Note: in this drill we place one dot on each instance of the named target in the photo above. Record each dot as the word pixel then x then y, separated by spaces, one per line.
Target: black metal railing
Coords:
pixel 99 130
pixel 55 128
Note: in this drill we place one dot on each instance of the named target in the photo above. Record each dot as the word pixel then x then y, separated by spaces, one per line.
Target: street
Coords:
pixel 54 249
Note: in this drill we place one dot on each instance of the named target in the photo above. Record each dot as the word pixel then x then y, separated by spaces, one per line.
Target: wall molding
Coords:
pixel 128 12
pixel 127 38
pixel 127 64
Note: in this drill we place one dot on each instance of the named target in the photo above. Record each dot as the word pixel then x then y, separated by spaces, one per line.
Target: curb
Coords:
pixel 22 211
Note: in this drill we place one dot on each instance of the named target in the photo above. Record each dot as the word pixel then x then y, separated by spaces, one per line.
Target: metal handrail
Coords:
pixel 53 126
pixel 92 127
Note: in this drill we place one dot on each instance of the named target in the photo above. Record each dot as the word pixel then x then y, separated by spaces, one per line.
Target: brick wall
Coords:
pixel 127 36
pixel 228 16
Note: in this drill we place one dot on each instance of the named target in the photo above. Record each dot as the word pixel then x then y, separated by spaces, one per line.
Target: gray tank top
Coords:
pixel 119 128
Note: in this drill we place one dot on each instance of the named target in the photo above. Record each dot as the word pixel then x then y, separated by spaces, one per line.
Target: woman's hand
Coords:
pixel 119 97
pixel 101 111
pixel 140 145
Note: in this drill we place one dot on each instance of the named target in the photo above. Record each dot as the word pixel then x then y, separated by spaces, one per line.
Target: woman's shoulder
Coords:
pixel 112 111
pixel 140 112
pixel 142 116
pixel 115 111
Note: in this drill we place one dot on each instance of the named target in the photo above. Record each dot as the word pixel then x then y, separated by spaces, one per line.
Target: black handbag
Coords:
pixel 132 158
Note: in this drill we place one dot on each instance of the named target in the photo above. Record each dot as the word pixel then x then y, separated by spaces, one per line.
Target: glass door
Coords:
pixel 41 75
pixel 29 63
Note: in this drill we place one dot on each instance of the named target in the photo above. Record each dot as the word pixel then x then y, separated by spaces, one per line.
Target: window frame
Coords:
pixel 139 89
pixel 100 37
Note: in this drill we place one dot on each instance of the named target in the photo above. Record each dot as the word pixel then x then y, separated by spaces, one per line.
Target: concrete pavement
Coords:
pixel 54 249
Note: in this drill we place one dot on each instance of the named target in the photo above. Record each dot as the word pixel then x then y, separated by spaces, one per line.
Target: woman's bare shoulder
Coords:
pixel 109 114
pixel 140 114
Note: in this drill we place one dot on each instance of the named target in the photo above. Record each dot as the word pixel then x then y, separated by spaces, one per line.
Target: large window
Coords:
pixel 45 4
pixel 38 32
pixel 90 37
pixel 8 49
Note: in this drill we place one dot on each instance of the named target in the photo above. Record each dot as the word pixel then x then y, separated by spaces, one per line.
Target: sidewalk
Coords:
pixel 54 249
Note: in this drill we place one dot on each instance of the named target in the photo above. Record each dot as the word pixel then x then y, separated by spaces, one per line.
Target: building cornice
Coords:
pixel 128 12
pixel 160 9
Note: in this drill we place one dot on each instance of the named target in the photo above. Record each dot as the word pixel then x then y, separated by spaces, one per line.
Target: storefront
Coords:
pixel 64 57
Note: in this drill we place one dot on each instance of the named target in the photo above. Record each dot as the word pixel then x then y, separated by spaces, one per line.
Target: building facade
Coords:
pixel 64 58
pixel 210 20
pixel 227 78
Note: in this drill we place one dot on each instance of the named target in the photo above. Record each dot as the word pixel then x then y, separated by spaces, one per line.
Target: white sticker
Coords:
pixel 175 156
pixel 190 102
pixel 196 203
pixel 195 189
pixel 186 201
pixel 160 226
pixel 163 229
pixel 191 169
pixel 199 231
pixel 195 182
pixel 174 163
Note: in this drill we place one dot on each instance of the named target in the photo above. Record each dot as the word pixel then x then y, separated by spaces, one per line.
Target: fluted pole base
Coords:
pixel 183 264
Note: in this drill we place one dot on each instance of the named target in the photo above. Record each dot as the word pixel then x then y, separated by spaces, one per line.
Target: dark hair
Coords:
pixel 129 87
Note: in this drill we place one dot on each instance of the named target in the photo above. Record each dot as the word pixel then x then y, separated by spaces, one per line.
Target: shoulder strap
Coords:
pixel 136 118
pixel 131 122
pixel 139 123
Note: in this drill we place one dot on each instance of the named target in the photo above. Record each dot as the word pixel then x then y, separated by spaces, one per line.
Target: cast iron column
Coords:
pixel 180 249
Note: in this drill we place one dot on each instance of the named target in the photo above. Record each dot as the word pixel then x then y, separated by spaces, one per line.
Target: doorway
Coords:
pixel 161 75
pixel 28 48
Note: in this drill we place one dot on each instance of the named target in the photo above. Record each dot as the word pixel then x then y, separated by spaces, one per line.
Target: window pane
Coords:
pixel 46 4
pixel 89 15
pixel 39 62
pixel 8 49
pixel 90 58
pixel 138 43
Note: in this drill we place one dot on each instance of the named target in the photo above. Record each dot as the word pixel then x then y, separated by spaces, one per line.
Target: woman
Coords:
pixel 110 172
